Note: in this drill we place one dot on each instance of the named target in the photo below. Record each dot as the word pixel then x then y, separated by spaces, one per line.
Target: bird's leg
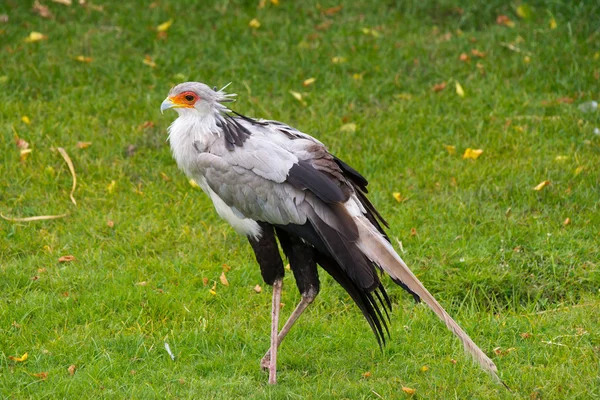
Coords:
pixel 304 267
pixel 307 298
pixel 271 268
pixel 276 306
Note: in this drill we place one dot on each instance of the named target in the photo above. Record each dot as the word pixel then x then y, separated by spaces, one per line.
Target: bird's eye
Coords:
pixel 189 97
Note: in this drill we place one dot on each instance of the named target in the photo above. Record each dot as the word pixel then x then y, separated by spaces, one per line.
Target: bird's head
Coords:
pixel 195 98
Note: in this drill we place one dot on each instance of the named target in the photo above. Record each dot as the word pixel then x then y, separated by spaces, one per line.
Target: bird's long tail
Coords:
pixel 374 246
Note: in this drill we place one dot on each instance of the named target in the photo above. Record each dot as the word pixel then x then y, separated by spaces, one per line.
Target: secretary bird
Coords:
pixel 269 180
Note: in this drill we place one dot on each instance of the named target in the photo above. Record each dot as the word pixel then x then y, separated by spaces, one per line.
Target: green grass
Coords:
pixel 494 252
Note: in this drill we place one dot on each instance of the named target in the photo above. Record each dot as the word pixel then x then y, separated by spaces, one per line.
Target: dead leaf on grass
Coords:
pixel 409 391
pixel 64 259
pixel 35 37
pixel 438 87
pixel 36 218
pixel 41 375
pixel 164 26
pixel 459 89
pixel 332 10
pixel 541 185
pixel 472 153
pixel 83 145
pixel 72 369
pixel 254 23
pixel 84 59
pixel 149 62
pixel 477 53
pixel 67 159
pixel 309 81
pixel 348 128
pixel 19 359
pixel 450 149
pixel 64 2
pixel 504 20
pixel 223 279
pixel 257 289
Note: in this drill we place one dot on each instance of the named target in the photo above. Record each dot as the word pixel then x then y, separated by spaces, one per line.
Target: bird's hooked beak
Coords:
pixel 166 104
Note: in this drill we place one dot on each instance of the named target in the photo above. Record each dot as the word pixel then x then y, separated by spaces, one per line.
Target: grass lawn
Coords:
pixel 401 91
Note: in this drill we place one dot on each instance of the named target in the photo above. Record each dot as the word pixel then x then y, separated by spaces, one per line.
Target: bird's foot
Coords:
pixel 265 363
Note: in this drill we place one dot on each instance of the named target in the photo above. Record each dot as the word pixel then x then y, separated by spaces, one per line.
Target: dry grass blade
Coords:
pixel 36 218
pixel 64 154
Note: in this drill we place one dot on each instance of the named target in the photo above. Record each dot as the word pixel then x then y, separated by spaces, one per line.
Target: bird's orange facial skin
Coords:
pixel 185 99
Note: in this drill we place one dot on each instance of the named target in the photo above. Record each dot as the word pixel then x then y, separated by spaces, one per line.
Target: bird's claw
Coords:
pixel 265 363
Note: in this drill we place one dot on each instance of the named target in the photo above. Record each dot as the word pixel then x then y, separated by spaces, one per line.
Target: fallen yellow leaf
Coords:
pixel 194 184
pixel 24 153
pixel 309 81
pixel 111 186
pixel 524 11
pixel 579 170
pixel 459 90
pixel 339 60
pixel 83 145
pixel 567 221
pixel 223 279
pixel 71 369
pixel 19 359
pixel 541 185
pixel 472 153
pixel 254 24
pixel 348 128
pixel 142 283
pixel 257 289
pixel 553 24
pixel 26 119
pixel 275 2
pixel 408 390
pixel 84 59
pixel 164 26
pixel 451 149
pixel 213 290
pixel 66 259
pixel 367 374
pixel 397 196
pixel 64 2
pixel 424 368
pixel 35 37
pixel 149 62
pixel 297 96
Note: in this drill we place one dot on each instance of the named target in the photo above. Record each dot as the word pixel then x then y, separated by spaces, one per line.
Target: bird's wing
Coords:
pixel 291 182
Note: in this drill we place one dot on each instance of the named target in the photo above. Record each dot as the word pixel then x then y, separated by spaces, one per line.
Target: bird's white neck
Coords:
pixel 189 134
